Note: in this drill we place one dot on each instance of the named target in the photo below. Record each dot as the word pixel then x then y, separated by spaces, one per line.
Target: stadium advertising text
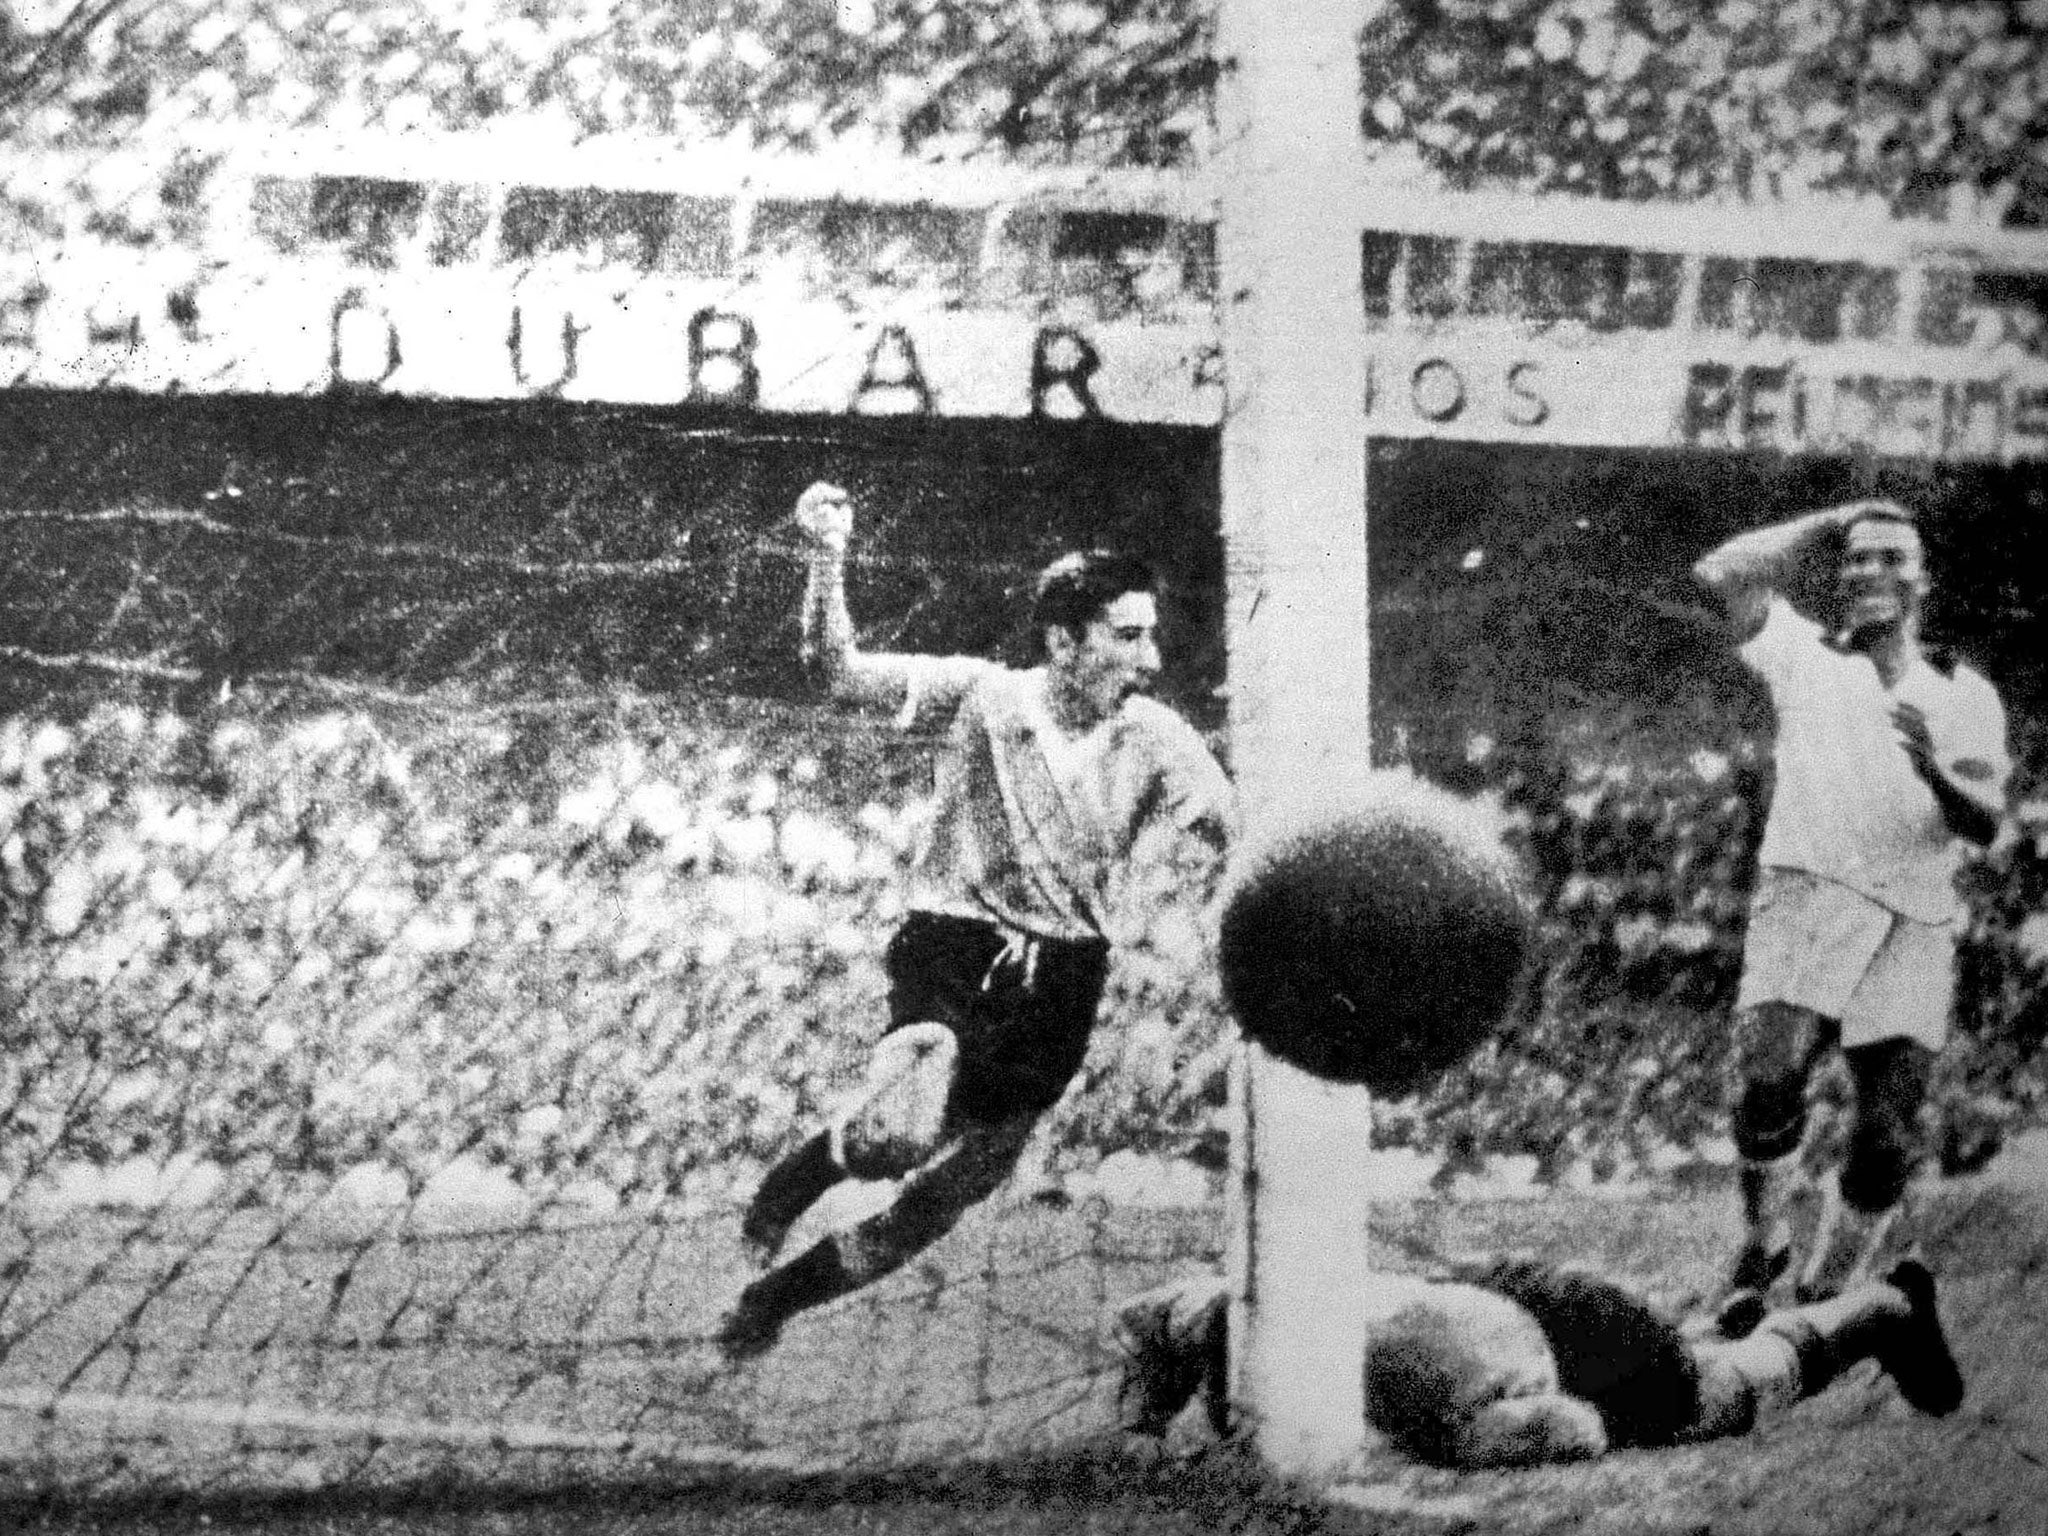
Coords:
pixel 735 350
pixel 643 344
pixel 818 305
pixel 1785 407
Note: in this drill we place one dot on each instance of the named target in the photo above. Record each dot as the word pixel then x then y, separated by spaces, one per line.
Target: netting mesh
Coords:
pixel 428 908
pixel 374 1085
pixel 319 1343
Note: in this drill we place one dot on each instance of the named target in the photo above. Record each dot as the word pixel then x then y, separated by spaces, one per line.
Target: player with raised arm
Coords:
pixel 1887 765
pixel 1056 786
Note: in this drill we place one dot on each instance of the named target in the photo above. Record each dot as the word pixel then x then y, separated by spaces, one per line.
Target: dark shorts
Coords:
pixel 1021 1012
pixel 1612 1349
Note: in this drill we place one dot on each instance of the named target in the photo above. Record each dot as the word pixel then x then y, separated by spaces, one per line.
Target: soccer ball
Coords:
pixel 1379 941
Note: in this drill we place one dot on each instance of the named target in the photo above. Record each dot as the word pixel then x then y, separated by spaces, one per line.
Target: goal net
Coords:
pixel 417 943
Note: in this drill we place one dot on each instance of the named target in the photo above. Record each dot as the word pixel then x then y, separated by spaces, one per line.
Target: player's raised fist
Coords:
pixel 825 514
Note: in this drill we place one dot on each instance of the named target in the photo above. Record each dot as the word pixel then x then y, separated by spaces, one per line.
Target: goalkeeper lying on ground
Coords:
pixel 1511 1363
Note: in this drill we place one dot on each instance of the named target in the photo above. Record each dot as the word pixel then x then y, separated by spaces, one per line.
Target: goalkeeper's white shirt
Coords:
pixel 1043 832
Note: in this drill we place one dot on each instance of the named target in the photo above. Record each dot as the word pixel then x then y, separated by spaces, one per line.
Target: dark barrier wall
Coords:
pixel 547 544
pixel 1519 586
pixel 543 545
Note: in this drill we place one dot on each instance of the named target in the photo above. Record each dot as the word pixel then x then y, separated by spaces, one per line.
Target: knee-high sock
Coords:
pixel 790 1188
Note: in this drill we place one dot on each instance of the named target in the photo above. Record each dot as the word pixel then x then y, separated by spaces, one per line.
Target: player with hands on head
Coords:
pixel 1060 791
pixel 1888 764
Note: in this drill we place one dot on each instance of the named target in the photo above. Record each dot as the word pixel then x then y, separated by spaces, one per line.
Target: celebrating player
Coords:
pixel 1887 764
pixel 1055 788
pixel 1512 1363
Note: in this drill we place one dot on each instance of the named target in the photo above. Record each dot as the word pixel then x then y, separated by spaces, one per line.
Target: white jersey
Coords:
pixel 1848 804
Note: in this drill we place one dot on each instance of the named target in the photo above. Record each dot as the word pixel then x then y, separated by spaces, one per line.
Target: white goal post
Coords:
pixel 1294 520
pixel 1810 328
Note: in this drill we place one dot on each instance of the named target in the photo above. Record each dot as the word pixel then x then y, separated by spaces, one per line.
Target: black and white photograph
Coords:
pixel 1023 766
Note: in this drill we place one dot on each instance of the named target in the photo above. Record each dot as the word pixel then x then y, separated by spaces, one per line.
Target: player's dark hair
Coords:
pixel 1879 510
pixel 1074 589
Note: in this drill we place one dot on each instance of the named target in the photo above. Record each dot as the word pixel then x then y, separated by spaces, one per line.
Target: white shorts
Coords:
pixel 1821 946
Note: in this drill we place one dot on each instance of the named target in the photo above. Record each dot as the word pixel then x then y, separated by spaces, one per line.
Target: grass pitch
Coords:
pixel 1854 1460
